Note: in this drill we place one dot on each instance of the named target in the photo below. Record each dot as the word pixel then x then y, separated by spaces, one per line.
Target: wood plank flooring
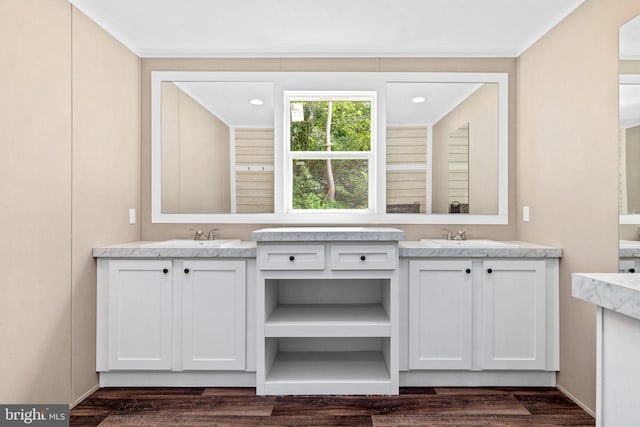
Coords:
pixel 415 406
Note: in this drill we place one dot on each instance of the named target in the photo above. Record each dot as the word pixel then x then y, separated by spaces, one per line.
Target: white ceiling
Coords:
pixel 229 101
pixel 258 28
pixel 441 99
pixel 630 39
pixel 629 105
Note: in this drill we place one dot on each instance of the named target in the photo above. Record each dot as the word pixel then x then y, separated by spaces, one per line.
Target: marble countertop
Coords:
pixel 247 249
pixel 327 234
pixel 619 292
pixel 141 250
pixel 416 249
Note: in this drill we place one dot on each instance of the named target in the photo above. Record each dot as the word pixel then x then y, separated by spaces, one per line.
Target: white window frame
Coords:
pixel 290 156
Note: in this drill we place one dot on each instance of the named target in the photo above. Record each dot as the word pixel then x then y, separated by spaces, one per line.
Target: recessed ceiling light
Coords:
pixel 256 101
pixel 418 99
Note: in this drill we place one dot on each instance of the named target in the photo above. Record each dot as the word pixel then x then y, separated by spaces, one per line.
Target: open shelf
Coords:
pixel 321 320
pixel 329 372
pixel 328 332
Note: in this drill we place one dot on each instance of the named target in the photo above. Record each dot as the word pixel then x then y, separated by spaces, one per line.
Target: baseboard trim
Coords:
pixel 84 396
pixel 576 400
pixel 478 378
pixel 177 379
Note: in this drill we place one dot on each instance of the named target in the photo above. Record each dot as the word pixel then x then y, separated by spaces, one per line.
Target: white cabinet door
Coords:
pixel 440 314
pixel 513 314
pixel 139 314
pixel 213 314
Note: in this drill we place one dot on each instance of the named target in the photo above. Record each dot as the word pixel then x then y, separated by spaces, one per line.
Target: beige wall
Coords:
pixel 65 173
pixel 35 201
pixel 568 163
pixel 480 110
pixel 195 156
pixel 106 173
pixel 151 231
pixel 170 154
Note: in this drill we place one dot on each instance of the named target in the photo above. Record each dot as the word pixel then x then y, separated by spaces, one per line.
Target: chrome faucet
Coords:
pixel 199 235
pixel 460 235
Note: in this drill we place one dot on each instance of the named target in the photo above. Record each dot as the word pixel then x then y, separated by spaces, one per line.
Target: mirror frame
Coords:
pixel 628 79
pixel 288 81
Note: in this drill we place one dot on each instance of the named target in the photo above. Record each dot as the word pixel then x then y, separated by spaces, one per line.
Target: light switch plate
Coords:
pixel 132 216
pixel 525 213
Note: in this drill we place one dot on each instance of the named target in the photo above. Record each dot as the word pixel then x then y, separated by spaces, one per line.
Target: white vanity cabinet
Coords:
pixel 327 318
pixel 513 314
pixel 213 294
pixel 171 314
pixel 134 315
pixel 440 314
pixel 471 314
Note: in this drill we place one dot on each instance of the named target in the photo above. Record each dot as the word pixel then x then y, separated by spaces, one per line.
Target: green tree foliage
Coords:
pixel 350 126
pixel 310 184
pixel 350 131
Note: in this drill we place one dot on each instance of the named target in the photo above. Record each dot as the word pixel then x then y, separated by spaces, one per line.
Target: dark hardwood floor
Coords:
pixel 176 407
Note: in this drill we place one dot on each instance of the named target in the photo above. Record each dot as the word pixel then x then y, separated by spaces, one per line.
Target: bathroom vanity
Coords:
pixel 327 310
pixel 617 297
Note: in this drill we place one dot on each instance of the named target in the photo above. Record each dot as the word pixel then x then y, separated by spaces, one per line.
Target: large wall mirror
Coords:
pixel 350 148
pixel 629 147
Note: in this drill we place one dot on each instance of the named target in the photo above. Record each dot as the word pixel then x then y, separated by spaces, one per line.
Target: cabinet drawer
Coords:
pixel 291 257
pixel 363 257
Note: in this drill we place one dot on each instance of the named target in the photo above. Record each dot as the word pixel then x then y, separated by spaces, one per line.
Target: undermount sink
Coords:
pixel 190 243
pixel 472 243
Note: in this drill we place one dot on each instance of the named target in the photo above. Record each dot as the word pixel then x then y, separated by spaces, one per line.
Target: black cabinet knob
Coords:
pixel 468 270
pixel 186 270
pixel 362 257
pixel 165 270
pixel 489 270
pixel 291 258
pixel 632 270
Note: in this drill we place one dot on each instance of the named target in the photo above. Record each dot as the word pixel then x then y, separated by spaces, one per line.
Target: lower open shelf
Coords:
pixel 321 320
pixel 329 372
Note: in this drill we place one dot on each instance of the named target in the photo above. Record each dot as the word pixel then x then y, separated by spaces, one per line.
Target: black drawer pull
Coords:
pixel 632 270
pixel 186 270
pixel 363 258
pixel 489 270
pixel 165 270
pixel 292 258
pixel 468 270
